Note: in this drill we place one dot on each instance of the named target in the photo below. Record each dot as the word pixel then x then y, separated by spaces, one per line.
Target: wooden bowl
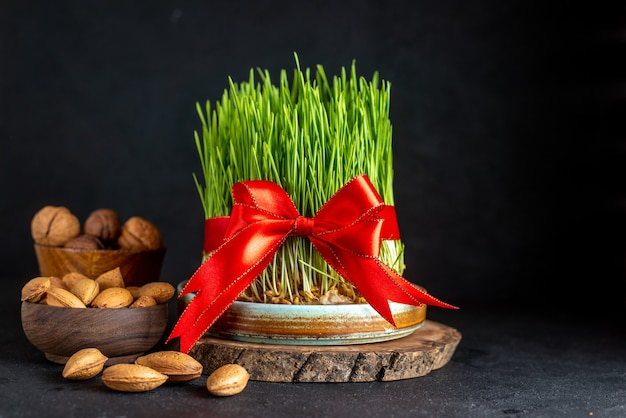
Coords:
pixel 137 268
pixel 120 334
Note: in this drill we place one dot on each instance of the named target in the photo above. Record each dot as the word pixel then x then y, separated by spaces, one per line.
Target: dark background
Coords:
pixel 507 121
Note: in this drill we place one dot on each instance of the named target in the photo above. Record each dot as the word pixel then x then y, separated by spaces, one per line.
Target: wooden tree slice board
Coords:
pixel 426 349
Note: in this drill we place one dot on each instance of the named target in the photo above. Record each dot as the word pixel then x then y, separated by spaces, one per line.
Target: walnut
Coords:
pixel 54 226
pixel 85 242
pixel 104 224
pixel 139 234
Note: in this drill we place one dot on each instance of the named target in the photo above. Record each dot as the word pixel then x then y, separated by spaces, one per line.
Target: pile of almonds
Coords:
pixel 152 370
pixel 149 371
pixel 75 290
pixel 57 226
pixel 146 373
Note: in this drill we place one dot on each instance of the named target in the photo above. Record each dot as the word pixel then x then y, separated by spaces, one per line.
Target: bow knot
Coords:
pixel 303 226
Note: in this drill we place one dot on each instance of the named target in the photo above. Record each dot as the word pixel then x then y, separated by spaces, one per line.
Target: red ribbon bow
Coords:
pixel 347 231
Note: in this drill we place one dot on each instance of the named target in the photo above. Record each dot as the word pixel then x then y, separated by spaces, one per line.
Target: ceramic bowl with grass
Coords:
pixel 337 324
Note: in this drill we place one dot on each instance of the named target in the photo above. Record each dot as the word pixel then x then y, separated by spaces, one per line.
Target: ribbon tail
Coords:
pixel 221 278
pixel 376 281
pixel 203 311
pixel 411 291
pixel 379 285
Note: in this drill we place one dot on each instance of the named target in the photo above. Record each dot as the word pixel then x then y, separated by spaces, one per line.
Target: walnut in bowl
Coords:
pixel 103 243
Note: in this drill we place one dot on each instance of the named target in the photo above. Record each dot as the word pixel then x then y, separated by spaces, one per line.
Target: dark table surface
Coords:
pixel 508 364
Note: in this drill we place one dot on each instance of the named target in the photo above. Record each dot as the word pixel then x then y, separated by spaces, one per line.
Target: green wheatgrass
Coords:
pixel 310 135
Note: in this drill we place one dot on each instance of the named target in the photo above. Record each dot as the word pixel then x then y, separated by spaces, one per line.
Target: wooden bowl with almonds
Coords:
pixel 63 316
pixel 120 334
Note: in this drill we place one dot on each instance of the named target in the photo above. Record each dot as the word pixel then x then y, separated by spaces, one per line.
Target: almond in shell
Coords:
pixel 57 296
pixel 113 298
pixel 143 302
pixel 227 380
pixel 84 364
pixel 111 278
pixel 72 277
pixel 85 289
pixel 35 289
pixel 179 367
pixel 125 377
pixel 160 291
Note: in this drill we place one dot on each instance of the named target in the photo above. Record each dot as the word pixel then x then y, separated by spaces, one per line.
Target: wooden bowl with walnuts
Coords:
pixel 101 243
